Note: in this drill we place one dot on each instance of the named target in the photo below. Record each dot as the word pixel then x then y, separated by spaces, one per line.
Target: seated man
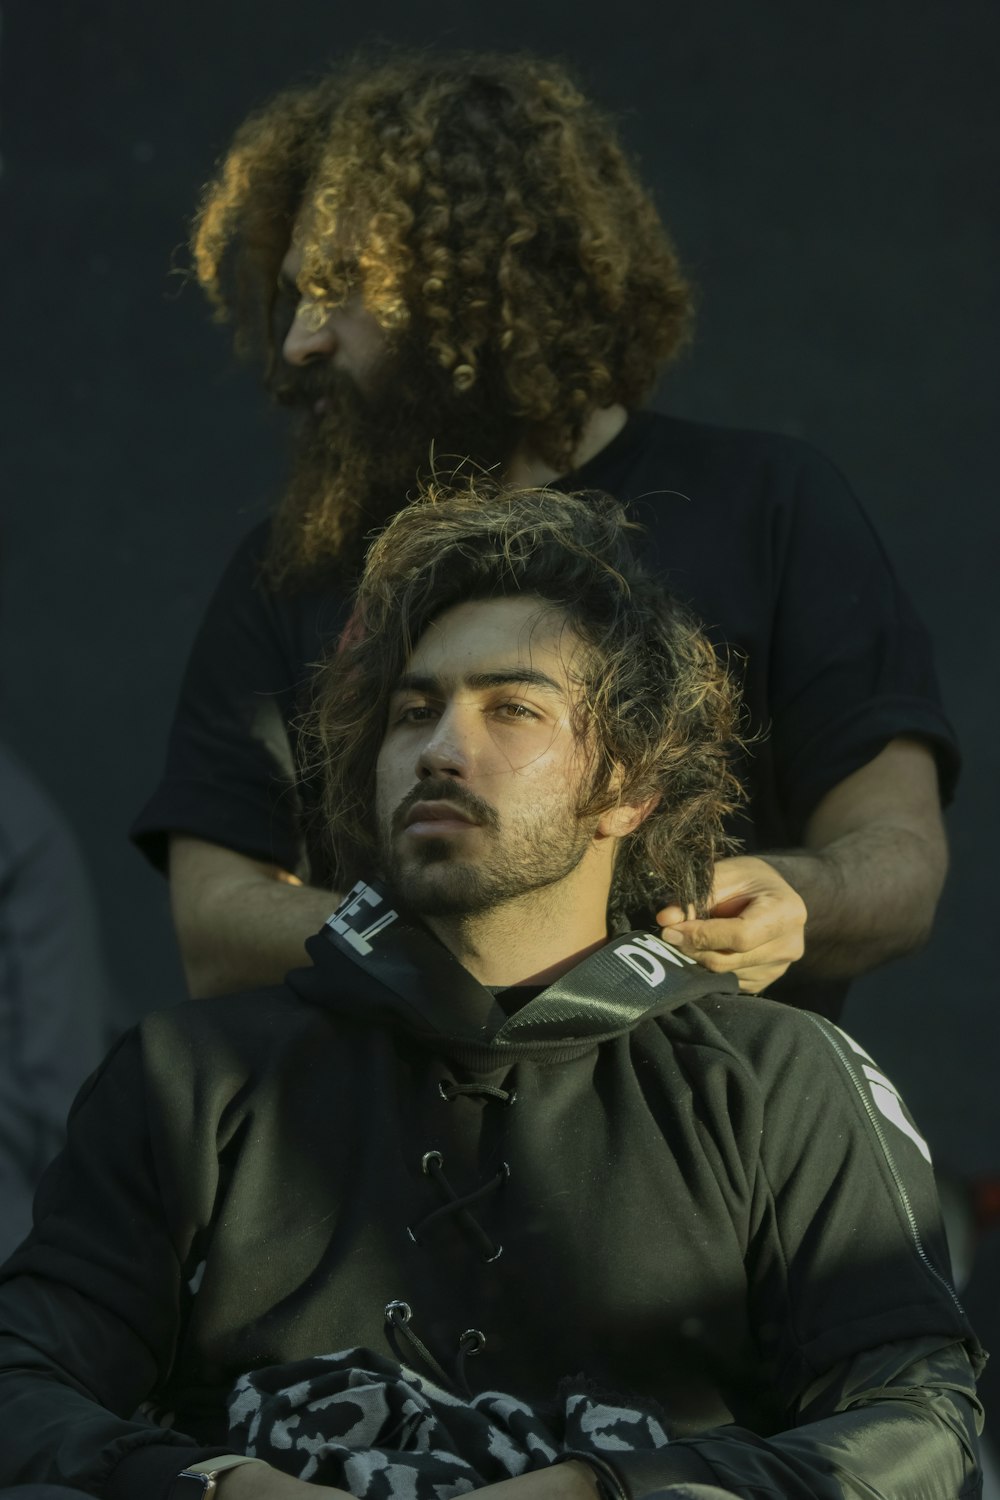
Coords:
pixel 498 1193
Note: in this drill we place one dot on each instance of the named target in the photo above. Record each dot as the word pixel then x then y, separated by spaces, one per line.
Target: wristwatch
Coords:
pixel 200 1481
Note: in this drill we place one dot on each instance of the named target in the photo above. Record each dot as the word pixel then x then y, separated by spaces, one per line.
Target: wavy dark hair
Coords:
pixel 495 224
pixel 658 709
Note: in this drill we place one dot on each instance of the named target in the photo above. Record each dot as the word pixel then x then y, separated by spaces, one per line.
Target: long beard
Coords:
pixel 359 458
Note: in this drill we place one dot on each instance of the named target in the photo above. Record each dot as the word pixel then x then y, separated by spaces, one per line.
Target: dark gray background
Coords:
pixel 829 171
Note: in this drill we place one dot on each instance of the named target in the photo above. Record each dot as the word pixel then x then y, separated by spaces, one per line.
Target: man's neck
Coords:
pixel 528 471
pixel 531 940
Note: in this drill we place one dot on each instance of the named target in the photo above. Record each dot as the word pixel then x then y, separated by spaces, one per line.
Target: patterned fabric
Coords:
pixel 363 1423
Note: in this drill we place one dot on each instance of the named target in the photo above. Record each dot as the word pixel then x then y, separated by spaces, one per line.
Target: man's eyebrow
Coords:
pixel 413 682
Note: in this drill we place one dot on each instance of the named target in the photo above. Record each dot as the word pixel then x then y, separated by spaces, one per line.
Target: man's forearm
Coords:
pixel 870 897
pixel 865 883
pixel 240 923
pixel 258 934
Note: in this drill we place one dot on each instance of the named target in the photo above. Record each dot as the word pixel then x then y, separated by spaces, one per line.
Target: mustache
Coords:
pixel 303 388
pixel 478 810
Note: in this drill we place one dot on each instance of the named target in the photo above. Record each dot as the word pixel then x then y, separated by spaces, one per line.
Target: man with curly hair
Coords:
pixel 496 1195
pixel 447 263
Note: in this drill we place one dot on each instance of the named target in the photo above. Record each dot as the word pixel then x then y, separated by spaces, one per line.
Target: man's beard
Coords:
pixel 359 457
pixel 539 849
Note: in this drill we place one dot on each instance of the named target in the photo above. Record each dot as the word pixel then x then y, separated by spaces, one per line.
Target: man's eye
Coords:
pixel 415 713
pixel 516 710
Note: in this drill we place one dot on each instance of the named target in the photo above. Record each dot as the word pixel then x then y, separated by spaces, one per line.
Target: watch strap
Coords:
pixel 198 1481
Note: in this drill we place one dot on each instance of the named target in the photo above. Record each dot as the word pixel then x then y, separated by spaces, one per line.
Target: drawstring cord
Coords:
pixel 449 1091
pixel 398 1314
pixel 397 1318
pixel 432 1165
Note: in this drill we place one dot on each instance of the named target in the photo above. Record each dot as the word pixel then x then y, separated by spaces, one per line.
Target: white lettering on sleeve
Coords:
pixel 890 1105
pixel 885 1097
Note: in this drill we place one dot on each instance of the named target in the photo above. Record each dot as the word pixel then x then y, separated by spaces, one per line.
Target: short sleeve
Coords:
pixel 851 665
pixel 765 541
pixel 230 776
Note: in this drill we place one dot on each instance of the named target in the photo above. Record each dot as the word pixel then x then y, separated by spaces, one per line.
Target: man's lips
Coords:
pixel 437 817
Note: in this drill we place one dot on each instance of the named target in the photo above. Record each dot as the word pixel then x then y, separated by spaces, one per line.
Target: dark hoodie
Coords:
pixel 638 1178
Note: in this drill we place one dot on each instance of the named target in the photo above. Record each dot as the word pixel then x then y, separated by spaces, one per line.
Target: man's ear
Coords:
pixel 624 818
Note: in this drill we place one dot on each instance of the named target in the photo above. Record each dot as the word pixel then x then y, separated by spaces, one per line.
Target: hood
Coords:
pixel 377 964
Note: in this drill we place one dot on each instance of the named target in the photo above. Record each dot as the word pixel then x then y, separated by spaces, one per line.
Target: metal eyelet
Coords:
pixel 429 1159
pixel 473 1341
pixel 397 1311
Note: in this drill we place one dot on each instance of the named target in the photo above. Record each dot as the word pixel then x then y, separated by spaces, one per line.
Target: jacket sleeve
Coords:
pixel 899 1422
pixel 90 1307
pixel 860 1336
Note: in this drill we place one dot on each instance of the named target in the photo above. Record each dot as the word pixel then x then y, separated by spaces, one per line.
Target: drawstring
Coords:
pixel 458 1204
pixel 398 1314
pixel 450 1091
pixel 432 1164
pixel 397 1318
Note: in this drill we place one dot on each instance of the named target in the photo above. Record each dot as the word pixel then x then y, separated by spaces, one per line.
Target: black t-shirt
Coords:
pixel 759 534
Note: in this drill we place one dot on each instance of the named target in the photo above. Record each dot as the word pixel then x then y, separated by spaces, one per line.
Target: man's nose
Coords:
pixel 312 334
pixel 448 751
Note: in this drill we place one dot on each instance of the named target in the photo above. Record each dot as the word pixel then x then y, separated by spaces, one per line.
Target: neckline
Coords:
pixel 622 440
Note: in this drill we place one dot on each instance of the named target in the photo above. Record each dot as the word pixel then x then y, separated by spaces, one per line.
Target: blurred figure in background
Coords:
pixel 54 996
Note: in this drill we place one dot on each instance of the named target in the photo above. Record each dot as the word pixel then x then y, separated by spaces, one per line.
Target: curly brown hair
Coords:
pixel 658 709
pixel 493 218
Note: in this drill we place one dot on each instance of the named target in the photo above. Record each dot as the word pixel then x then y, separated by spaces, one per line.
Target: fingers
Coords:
pixel 732 961
pixel 750 904
pixel 756 926
pixel 758 981
pixel 757 946
pixel 755 969
pixel 733 935
pixel 728 943
pixel 671 914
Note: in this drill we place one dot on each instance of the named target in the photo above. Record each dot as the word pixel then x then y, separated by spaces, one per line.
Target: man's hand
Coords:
pixel 755 927
pixel 870 872
pixel 261 1482
pixel 572 1480
pixel 575 1480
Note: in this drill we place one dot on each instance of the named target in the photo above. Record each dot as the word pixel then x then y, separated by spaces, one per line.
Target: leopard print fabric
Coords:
pixel 359 1421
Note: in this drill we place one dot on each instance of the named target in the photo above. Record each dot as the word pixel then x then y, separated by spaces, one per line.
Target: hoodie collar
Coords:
pixel 379 964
